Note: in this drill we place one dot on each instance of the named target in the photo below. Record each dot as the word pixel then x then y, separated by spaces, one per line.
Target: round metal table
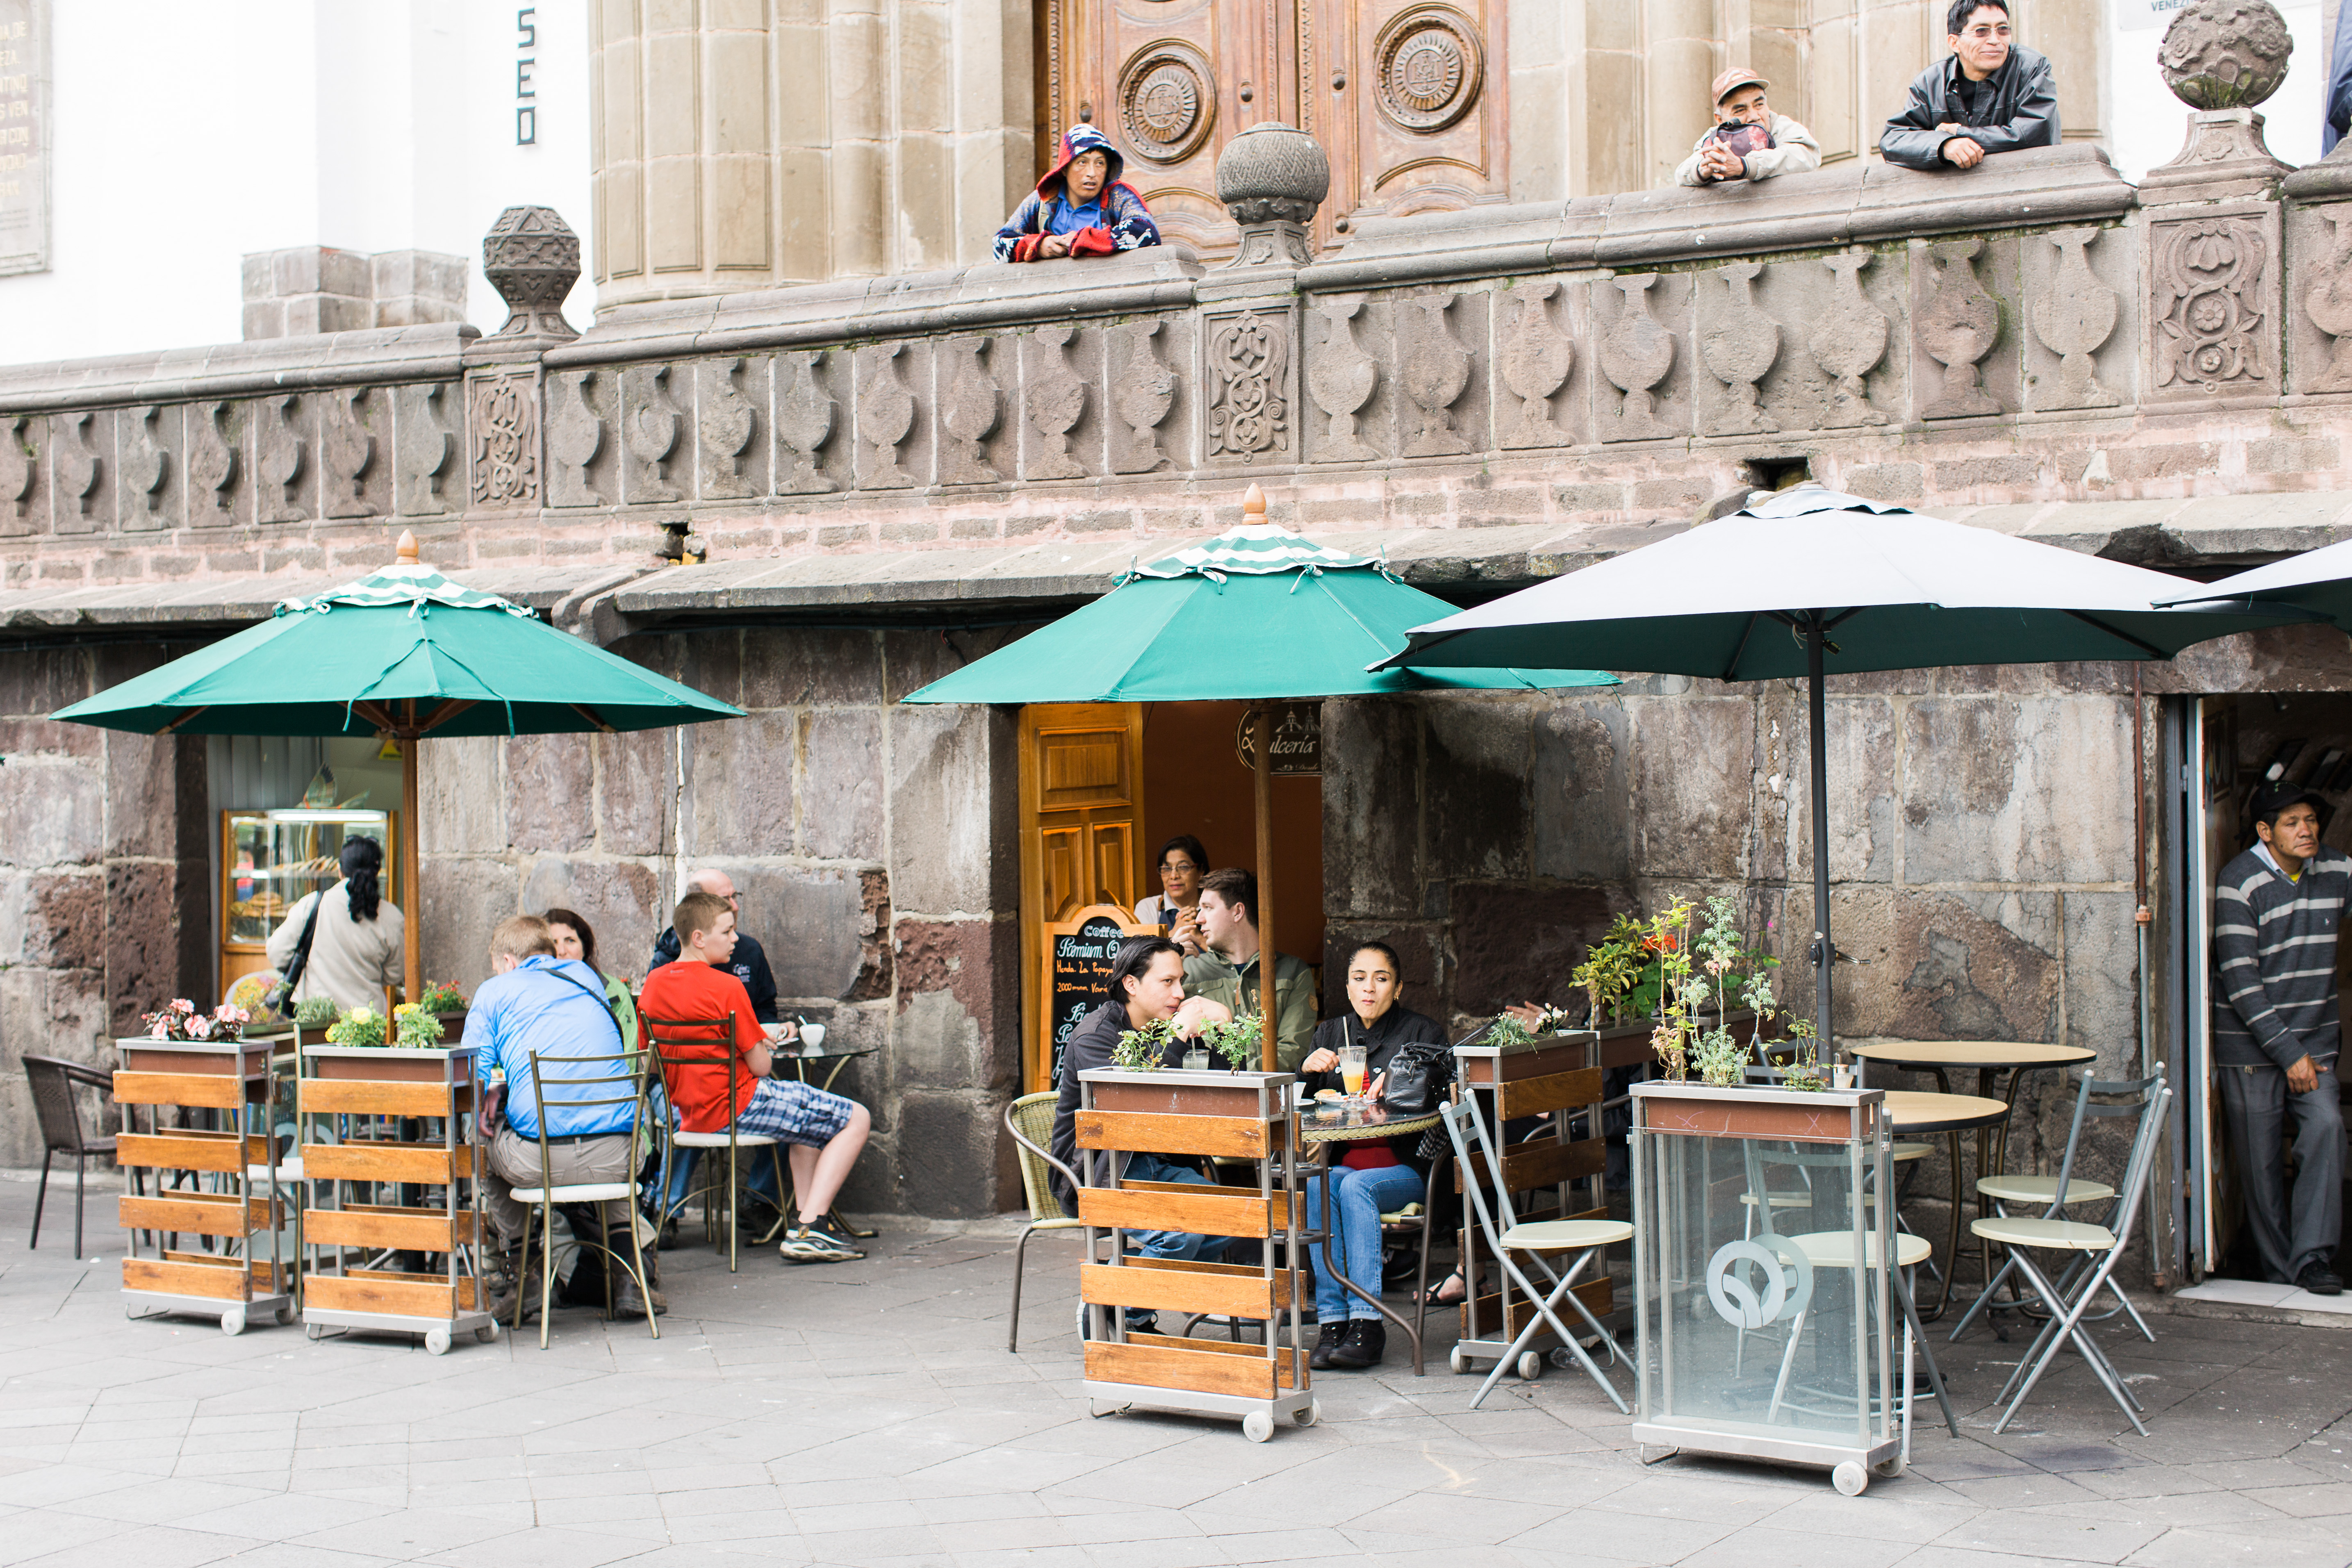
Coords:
pixel 1988 1059
pixel 1919 1112
pixel 801 1061
pixel 1363 1123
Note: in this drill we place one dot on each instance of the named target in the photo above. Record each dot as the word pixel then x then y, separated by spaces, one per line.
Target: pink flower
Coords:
pixel 200 1027
pixel 230 1012
pixel 159 1030
pixel 182 1004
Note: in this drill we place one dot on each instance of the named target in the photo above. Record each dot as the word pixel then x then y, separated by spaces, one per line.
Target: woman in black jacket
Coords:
pixel 1374 1178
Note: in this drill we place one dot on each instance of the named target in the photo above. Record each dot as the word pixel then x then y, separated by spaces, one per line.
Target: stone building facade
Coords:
pixel 811 499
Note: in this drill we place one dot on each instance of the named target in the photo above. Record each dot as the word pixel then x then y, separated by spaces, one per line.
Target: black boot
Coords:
pixel 1327 1341
pixel 1367 1341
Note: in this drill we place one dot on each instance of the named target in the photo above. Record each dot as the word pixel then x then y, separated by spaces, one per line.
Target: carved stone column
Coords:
pixel 1271 178
pixel 532 258
pixel 2215 282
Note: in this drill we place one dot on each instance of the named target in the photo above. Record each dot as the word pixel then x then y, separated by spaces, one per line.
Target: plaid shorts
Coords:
pixel 795 1113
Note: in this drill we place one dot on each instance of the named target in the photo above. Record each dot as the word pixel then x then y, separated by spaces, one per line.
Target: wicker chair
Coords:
pixel 53 1081
pixel 1030 1120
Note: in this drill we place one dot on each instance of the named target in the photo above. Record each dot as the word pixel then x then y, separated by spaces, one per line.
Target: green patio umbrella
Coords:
pixel 1256 613
pixel 403 652
pixel 1811 583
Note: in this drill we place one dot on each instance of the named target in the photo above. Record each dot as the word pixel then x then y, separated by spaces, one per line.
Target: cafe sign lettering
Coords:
pixel 1297 738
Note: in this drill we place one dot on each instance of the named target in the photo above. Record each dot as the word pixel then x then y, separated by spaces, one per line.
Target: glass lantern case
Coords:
pixel 1759 1278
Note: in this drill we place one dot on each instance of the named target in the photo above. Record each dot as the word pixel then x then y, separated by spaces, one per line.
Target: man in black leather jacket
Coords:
pixel 1989 95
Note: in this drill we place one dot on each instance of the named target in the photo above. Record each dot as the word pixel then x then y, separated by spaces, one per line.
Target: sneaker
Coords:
pixel 2319 1280
pixel 1139 1321
pixel 812 1244
pixel 632 1305
pixel 838 1230
pixel 1330 1341
pixel 1366 1340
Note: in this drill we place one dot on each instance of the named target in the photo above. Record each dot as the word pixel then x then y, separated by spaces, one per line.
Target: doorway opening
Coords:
pixel 1104 785
pixel 2236 744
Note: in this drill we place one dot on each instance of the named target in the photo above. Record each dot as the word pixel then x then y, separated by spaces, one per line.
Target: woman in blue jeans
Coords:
pixel 1374 1179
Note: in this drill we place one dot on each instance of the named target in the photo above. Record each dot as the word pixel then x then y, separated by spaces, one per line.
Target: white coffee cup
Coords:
pixel 811 1037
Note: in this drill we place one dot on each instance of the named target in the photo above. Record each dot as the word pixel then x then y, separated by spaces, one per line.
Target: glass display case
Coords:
pixel 1760 1336
pixel 271 858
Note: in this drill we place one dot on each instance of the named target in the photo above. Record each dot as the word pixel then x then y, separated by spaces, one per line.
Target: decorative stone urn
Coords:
pixel 532 258
pixel 1272 177
pixel 2221 57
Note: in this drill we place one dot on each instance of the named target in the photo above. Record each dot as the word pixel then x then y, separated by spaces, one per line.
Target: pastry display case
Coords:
pixel 270 859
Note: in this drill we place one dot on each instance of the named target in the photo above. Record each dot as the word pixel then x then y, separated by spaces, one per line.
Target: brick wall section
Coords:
pixel 873 847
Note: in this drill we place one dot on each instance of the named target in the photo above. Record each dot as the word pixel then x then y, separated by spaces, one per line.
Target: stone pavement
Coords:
pixel 869 1414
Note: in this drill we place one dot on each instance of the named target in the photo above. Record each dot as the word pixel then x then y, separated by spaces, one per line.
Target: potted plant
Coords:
pixel 443 1000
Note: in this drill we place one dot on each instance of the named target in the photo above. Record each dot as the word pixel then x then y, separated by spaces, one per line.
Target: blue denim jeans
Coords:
pixel 1361 1196
pixel 759 1176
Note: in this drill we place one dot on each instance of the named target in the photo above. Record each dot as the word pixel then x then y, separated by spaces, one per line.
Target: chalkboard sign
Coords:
pixel 1078 956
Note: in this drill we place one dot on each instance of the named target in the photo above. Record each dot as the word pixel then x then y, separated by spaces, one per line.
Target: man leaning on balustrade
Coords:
pixel 1990 95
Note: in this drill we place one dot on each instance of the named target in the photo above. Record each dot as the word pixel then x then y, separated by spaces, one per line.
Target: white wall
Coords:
pixel 2150 124
pixel 190 132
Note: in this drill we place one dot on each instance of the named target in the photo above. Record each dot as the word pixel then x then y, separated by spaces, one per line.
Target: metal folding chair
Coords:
pixel 2094 1244
pixel 1030 1120
pixel 53 1081
pixel 2053 1195
pixel 1466 1125
pixel 704 1042
pixel 620 1081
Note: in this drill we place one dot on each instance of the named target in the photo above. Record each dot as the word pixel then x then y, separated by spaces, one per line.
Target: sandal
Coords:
pixel 1450 1292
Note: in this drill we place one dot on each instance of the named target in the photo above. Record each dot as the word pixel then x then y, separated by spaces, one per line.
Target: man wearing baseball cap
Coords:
pixel 1751 142
pixel 2275 1033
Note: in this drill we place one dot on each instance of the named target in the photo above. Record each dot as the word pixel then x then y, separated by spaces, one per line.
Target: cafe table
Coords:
pixel 801 1060
pixel 1346 1122
pixel 1988 1059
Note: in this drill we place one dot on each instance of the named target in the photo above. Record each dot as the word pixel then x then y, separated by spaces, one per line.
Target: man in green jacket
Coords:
pixel 1228 972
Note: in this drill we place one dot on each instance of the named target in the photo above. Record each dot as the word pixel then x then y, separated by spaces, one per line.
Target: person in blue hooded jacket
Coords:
pixel 1080 209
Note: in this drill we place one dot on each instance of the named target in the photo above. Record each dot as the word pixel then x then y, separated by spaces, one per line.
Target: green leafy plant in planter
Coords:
pixel 1680 992
pixel 312 1011
pixel 1801 1070
pixel 1139 1050
pixel 415 1026
pixel 1612 970
pixel 359 1027
pixel 1722 1060
pixel 440 996
pixel 1507 1032
pixel 1240 1041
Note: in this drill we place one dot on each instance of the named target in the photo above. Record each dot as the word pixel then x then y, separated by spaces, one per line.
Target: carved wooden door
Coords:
pixel 1081 819
pixel 1404 95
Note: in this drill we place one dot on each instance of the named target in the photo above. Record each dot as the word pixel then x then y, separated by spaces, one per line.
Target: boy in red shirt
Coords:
pixel 824 1132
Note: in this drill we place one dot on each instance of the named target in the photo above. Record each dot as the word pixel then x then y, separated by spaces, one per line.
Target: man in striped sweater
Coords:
pixel 2275 1033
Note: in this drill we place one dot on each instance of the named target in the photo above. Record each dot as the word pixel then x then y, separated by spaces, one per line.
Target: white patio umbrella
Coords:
pixel 1810 582
pixel 2318 580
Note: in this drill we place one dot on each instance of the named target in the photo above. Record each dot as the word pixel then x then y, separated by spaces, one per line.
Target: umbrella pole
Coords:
pixel 1265 987
pixel 1815 633
pixel 409 935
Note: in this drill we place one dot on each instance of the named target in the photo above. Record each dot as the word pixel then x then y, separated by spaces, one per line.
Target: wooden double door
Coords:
pixel 1405 96
pixel 1081 837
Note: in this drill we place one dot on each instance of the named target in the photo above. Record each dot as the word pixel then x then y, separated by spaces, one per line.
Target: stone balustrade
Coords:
pixel 2037 337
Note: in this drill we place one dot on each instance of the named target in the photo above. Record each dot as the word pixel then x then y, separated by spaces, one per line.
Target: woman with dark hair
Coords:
pixel 1374 1179
pixel 1176 908
pixel 355 951
pixel 573 938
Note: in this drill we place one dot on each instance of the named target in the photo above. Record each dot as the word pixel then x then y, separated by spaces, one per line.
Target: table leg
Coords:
pixel 1331 1233
pixel 1952 1245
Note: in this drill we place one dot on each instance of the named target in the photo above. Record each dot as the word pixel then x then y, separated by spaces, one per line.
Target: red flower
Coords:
pixel 1662 941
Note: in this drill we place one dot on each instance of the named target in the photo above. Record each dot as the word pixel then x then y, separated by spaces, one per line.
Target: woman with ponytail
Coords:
pixel 355 948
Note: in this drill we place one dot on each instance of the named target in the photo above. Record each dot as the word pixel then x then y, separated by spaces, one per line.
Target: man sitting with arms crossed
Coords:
pixel 824 1132
pixel 1146 984
pixel 1228 973
pixel 1986 96
pixel 534 1001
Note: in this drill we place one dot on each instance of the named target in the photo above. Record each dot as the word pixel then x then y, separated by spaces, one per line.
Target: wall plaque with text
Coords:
pixel 25 122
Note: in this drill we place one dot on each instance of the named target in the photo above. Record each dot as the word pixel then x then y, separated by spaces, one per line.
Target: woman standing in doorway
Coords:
pixel 355 950
pixel 1176 908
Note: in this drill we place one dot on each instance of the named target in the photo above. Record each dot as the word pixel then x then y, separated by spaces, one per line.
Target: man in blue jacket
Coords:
pixel 534 1001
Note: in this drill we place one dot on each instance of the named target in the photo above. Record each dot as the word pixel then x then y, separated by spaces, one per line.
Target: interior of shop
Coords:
pixel 2303 738
pixel 320 788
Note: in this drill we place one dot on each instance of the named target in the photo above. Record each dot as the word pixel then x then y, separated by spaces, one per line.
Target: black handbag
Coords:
pixel 1418 1076
pixel 281 1000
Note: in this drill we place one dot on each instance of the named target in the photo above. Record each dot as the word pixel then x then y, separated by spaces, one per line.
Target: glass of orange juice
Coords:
pixel 1351 1070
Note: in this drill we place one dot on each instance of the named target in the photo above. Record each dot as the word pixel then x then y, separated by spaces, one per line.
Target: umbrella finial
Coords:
pixel 1253 505
pixel 408 549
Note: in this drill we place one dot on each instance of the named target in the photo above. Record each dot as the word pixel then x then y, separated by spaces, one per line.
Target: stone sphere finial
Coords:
pixel 532 258
pixel 2226 54
pixel 1273 172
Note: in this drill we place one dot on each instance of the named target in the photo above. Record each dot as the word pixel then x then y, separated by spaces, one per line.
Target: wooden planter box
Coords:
pixel 221 1078
pixel 399 1084
pixel 1238 1117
